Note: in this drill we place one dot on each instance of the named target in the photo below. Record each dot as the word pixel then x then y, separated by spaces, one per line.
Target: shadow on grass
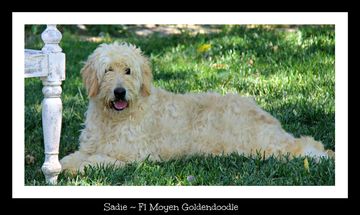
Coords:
pixel 306 119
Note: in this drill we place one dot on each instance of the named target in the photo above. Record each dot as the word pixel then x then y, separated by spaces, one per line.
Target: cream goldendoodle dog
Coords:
pixel 128 119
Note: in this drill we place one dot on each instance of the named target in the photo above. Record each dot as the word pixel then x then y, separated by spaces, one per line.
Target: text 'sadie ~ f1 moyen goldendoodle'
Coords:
pixel 129 119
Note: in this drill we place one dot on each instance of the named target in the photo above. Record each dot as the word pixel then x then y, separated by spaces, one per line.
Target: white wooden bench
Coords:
pixel 49 65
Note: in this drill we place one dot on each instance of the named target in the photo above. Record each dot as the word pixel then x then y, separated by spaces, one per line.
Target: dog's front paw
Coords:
pixel 72 162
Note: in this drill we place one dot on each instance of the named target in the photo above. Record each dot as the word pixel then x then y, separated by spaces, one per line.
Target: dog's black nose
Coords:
pixel 120 93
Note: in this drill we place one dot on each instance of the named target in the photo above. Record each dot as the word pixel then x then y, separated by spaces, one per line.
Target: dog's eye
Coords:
pixel 109 69
pixel 127 71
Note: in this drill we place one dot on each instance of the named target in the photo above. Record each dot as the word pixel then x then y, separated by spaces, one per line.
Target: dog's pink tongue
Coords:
pixel 120 104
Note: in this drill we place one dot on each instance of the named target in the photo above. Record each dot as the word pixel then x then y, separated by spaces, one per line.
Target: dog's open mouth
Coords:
pixel 119 105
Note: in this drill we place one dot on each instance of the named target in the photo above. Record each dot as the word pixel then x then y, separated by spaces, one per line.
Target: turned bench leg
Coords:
pixel 52 105
pixel 51 122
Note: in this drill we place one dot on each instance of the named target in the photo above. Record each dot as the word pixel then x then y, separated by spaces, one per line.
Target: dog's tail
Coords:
pixel 307 146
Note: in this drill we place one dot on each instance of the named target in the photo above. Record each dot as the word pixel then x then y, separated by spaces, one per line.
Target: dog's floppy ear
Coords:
pixel 90 79
pixel 147 78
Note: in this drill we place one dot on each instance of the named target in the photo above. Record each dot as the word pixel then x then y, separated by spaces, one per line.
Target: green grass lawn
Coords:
pixel 289 72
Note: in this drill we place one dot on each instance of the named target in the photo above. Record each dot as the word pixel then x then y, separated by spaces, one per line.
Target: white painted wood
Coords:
pixel 49 64
pixel 51 37
pixel 51 122
pixel 36 63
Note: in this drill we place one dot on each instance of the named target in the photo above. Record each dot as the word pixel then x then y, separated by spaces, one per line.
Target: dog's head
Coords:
pixel 117 74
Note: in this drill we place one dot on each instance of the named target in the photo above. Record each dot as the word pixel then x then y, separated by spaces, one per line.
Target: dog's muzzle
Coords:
pixel 120 102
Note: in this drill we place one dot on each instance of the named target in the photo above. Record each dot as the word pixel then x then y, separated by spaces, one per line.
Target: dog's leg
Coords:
pixel 72 162
pixel 307 146
pixel 310 147
pixel 279 141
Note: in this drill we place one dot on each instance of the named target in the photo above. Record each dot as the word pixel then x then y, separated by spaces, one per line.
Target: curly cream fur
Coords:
pixel 162 125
